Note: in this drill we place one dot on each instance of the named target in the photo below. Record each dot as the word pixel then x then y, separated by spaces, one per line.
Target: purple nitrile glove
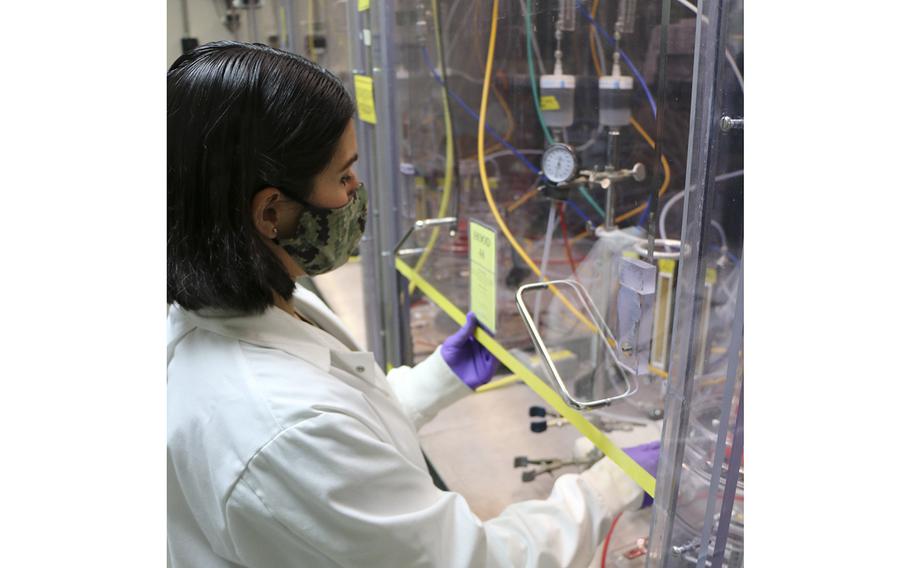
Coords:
pixel 646 456
pixel 467 358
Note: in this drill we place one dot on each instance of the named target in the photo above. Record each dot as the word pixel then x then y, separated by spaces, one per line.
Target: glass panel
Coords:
pixel 698 518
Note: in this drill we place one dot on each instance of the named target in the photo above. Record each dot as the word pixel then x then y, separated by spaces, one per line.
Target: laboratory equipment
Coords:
pixel 581 97
pixel 615 100
pixel 604 101
pixel 601 336
pixel 557 97
pixel 559 163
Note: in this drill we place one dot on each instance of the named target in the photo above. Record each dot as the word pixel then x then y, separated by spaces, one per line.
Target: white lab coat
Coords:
pixel 287 446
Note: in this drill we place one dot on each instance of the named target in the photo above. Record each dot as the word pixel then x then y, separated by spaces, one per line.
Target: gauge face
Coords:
pixel 559 163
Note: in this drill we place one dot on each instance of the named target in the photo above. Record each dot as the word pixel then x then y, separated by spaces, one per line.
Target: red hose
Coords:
pixel 603 557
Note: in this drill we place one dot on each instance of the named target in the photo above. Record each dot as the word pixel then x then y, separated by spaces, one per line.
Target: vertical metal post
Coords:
pixel 392 211
pixel 370 249
pixel 373 53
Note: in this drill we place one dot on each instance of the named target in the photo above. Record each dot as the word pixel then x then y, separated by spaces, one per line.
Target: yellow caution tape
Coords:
pixel 638 474
pixel 499 383
pixel 513 378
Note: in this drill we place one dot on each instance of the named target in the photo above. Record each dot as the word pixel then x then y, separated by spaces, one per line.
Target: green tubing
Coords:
pixel 528 32
pixel 586 195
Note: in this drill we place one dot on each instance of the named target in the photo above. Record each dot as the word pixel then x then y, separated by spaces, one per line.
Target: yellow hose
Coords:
pixel 591 32
pixel 522 200
pixel 486 182
pixel 450 160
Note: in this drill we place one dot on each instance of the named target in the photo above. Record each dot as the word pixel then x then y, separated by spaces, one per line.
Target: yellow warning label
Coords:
pixel 666 265
pixel 363 5
pixel 363 91
pixel 710 276
pixel 549 102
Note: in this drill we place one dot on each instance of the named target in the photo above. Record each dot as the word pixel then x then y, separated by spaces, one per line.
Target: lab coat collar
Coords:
pixel 315 309
pixel 273 328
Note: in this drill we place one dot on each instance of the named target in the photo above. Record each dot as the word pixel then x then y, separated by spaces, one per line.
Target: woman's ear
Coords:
pixel 265 212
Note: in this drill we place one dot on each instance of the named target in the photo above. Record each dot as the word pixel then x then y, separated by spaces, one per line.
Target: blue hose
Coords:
pixel 469 110
pixel 493 133
pixel 579 212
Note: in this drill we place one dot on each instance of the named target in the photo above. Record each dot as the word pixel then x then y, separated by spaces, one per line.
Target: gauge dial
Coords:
pixel 559 163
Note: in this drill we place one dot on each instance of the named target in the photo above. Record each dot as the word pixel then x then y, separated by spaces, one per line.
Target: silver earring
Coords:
pixel 275 231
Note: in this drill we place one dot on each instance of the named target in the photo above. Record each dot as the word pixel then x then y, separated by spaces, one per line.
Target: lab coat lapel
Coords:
pixel 357 362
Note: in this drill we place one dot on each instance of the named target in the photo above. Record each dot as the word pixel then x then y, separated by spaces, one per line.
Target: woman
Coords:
pixel 287 446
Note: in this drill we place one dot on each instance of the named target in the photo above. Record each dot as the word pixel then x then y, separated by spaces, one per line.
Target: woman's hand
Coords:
pixel 467 358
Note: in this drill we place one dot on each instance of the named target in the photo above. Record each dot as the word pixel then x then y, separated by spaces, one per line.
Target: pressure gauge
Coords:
pixel 559 163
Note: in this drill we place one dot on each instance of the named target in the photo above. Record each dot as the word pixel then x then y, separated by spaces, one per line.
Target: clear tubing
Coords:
pixel 727 54
pixel 665 210
pixel 545 260
pixel 502 153
pixel 594 136
pixel 663 222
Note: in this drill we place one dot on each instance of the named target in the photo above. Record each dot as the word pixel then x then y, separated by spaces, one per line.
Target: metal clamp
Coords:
pixel 419 225
pixel 605 177
pixel 669 244
pixel 595 317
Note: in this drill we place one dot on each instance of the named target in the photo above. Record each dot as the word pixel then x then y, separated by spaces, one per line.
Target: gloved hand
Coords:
pixel 467 358
pixel 646 456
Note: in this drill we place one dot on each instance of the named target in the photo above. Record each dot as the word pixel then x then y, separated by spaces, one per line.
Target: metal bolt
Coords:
pixel 626 348
pixel 728 123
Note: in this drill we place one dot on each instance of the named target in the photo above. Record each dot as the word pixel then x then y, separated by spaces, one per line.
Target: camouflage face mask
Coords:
pixel 326 238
